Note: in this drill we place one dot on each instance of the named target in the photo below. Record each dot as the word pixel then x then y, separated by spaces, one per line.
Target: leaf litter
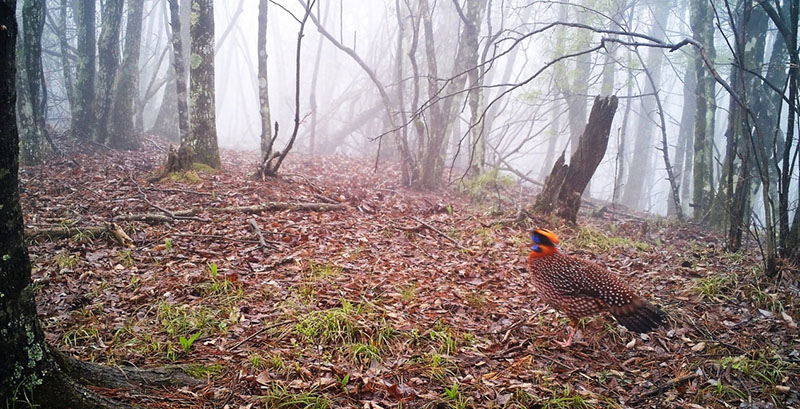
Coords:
pixel 404 298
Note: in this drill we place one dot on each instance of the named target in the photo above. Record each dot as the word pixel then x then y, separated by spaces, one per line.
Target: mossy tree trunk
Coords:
pixel 30 82
pixel 31 372
pixel 123 132
pixel 203 137
pixel 83 108
pixel 179 66
pixel 108 64
pixel 27 368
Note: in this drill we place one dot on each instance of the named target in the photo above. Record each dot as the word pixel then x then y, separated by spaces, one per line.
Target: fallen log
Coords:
pixel 55 233
pixel 61 232
pixel 273 206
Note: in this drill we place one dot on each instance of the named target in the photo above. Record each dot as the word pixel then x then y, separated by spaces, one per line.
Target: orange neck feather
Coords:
pixel 544 251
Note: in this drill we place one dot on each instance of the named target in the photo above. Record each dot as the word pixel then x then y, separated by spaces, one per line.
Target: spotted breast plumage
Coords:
pixel 579 288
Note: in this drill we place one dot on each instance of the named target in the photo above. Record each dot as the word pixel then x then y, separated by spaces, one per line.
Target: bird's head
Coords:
pixel 544 243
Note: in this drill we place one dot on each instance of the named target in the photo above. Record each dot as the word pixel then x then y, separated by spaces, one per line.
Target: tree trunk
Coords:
pixel 702 23
pixel 584 161
pixel 201 104
pixel 108 63
pixel 263 82
pixel 168 119
pixel 401 140
pixel 733 203
pixel 32 373
pixel 123 132
pixel 469 41
pixel 565 185
pixel 30 80
pixel 683 153
pixel 83 119
pixel 621 172
pixel 432 161
pixel 63 43
pixel 312 99
pixel 633 195
pixel 179 67
pixel 27 369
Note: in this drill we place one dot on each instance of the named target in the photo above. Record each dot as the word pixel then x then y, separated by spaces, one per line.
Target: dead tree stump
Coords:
pixel 180 160
pixel 566 183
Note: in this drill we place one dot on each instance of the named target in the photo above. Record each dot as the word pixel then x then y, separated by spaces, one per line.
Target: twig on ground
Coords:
pixel 260 331
pixel 439 232
pixel 257 230
pixel 661 389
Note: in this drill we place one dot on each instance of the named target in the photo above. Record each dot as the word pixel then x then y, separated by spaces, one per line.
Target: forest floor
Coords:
pixel 399 298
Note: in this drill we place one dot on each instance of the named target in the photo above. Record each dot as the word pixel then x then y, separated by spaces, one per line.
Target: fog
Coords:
pixel 533 72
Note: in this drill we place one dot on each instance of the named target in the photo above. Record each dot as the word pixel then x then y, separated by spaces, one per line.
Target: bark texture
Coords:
pixel 263 83
pixel 203 138
pixel 108 64
pixel 565 185
pixel 83 109
pixel 123 132
pixel 702 23
pixel 30 83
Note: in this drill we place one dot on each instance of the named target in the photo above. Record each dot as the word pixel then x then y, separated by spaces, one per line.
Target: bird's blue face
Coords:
pixel 536 241
pixel 544 242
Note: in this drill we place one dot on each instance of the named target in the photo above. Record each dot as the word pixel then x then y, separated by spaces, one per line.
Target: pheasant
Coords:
pixel 580 288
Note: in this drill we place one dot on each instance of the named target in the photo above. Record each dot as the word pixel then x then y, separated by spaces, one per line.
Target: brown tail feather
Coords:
pixel 639 316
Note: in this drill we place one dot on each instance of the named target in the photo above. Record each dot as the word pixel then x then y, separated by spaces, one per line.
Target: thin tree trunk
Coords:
pixel 123 132
pixel 401 141
pixel 83 119
pixel 621 173
pixel 270 165
pixel 634 195
pixel 263 82
pixel 63 43
pixel 702 23
pixel 30 81
pixel 683 153
pixel 432 162
pixel 312 140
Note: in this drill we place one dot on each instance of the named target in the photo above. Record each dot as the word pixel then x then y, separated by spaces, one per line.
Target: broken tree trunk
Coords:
pixel 566 183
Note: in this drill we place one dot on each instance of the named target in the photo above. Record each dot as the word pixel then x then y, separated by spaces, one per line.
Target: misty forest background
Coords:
pixel 705 129
pixel 336 123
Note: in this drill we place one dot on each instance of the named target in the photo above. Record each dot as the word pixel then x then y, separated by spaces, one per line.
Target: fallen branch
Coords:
pixel 273 206
pixel 662 388
pixel 257 230
pixel 439 232
pixel 119 235
pixel 54 233
pixel 157 217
